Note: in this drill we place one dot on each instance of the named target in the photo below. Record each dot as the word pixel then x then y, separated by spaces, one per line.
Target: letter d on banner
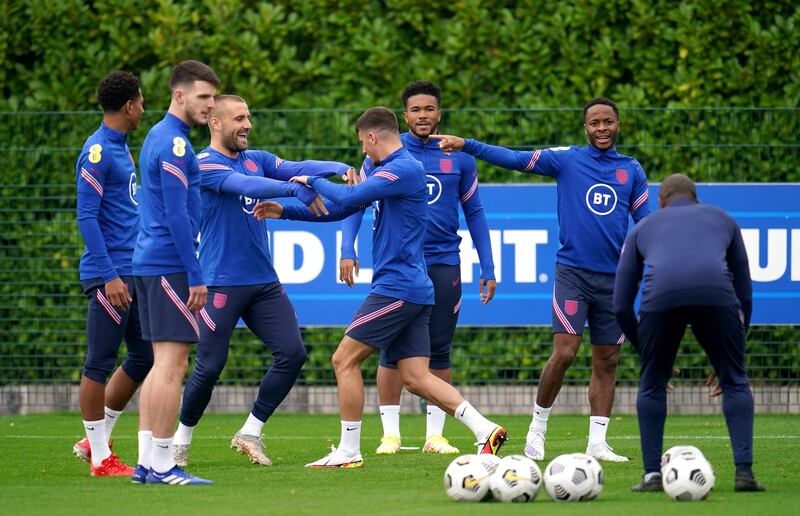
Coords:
pixel 312 256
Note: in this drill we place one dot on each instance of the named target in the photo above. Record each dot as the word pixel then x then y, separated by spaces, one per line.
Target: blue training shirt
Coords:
pixel 234 248
pixel 398 189
pixel 108 218
pixel 169 207
pixel 694 255
pixel 597 190
pixel 452 180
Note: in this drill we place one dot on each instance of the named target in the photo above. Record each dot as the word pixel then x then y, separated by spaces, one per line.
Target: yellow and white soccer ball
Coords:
pixel 516 479
pixel 466 479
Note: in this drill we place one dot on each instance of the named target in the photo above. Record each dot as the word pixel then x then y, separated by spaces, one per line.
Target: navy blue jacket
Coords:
pixel 691 254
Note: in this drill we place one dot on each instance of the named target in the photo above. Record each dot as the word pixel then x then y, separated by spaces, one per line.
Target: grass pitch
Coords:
pixel 38 475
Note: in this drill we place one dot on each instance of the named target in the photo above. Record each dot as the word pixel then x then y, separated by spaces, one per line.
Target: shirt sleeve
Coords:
pixel 282 170
pixel 546 162
pixel 212 175
pixel 175 194
pixel 382 184
pixel 626 285
pixel 335 212
pixel 474 215
pixel 258 187
pixel 640 208
pixel 739 266
pixel 91 180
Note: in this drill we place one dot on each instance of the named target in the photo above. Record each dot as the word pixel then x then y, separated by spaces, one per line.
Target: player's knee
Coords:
pixel 290 358
pixel 563 358
pixel 137 367
pixel 98 367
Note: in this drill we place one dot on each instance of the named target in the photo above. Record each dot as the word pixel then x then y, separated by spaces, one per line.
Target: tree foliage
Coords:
pixel 348 53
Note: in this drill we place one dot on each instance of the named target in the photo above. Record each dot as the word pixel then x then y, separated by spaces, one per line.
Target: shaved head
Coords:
pixel 221 102
pixel 676 186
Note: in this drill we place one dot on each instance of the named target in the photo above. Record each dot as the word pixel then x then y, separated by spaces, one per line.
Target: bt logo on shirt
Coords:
pixel 133 188
pixel 434 189
pixel 248 203
pixel 601 199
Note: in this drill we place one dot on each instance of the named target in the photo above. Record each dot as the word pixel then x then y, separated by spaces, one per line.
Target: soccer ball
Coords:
pixel 597 470
pixel 688 477
pixel 466 479
pixel 679 451
pixel 516 479
pixel 568 479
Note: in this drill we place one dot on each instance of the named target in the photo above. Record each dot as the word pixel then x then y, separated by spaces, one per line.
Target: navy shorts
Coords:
pixel 106 327
pixel 444 314
pixel 162 308
pixel 580 295
pixel 397 328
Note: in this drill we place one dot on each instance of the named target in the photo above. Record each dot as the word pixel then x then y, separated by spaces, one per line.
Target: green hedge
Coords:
pixel 355 53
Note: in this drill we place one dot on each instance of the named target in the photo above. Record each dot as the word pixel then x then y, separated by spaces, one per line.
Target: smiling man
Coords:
pixel 237 267
pixel 452 179
pixel 598 188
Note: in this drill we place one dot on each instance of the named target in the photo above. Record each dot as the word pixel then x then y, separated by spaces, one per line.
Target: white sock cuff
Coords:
pixel 434 409
pixel 351 423
pixel 111 412
pixel 541 412
pixel 92 423
pixel 599 419
pixel 145 433
pixel 389 408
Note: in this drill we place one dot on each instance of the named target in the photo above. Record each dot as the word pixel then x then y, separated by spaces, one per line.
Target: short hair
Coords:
pixel 116 89
pixel 186 72
pixel 378 118
pixel 421 88
pixel 677 186
pixel 600 101
pixel 221 100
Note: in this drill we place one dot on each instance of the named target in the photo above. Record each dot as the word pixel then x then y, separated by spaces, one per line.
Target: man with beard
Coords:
pixel 166 271
pixel 237 266
pixel 394 316
pixel 452 182
pixel 597 190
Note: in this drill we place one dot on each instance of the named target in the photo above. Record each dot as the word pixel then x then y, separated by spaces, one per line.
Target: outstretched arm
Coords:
pixel 543 162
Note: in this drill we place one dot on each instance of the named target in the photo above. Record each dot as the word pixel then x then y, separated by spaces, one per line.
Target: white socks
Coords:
pixel 162 455
pixel 598 426
pixel 434 422
pixel 111 419
pixel 145 448
pixel 96 433
pixel 252 426
pixel 350 440
pixel 390 417
pixel 183 435
pixel 540 416
pixel 479 425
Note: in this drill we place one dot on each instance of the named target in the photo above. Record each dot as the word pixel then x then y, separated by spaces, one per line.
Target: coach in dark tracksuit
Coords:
pixel 697 273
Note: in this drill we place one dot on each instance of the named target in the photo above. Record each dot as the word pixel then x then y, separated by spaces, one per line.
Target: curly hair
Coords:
pixel 421 88
pixel 116 89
